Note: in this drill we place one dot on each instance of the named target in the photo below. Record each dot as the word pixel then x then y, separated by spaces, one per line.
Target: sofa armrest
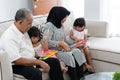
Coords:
pixel 97 28
pixel 5 67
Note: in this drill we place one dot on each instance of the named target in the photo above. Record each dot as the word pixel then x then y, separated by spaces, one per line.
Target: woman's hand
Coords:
pixel 46 36
pixel 64 45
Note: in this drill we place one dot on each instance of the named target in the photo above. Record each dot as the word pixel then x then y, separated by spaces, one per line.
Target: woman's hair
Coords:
pixel 79 22
pixel 56 15
pixel 35 32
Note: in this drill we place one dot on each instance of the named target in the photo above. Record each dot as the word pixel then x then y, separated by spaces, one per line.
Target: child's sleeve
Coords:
pixel 85 34
pixel 86 31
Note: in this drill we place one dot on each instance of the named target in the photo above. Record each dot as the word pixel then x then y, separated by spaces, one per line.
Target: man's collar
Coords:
pixel 17 31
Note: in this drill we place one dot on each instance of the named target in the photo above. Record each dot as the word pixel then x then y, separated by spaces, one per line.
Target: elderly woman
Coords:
pixel 74 59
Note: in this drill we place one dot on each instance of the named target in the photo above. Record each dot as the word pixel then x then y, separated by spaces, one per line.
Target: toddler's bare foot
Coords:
pixel 64 69
pixel 90 68
pixel 93 70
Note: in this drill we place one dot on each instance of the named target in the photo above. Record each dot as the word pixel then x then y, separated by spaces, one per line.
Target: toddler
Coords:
pixel 39 45
pixel 79 35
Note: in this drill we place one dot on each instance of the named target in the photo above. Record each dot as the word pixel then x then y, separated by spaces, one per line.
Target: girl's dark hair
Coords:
pixel 35 32
pixel 56 14
pixel 79 22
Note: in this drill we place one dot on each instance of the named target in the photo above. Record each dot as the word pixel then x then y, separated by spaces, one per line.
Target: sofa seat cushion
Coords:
pixel 105 49
pixel 105 44
pixel 18 77
pixel 105 56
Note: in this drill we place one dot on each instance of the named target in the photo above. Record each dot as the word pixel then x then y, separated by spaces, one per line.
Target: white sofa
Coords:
pixel 5 67
pixel 105 51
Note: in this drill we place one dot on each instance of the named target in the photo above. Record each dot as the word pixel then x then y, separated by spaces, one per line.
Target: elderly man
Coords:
pixel 16 42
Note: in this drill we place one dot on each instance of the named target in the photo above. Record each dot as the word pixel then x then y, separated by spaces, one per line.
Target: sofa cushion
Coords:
pixel 18 77
pixel 5 66
pixel 105 56
pixel 97 28
pixel 39 20
pixel 4 25
pixel 105 44
pixel 105 49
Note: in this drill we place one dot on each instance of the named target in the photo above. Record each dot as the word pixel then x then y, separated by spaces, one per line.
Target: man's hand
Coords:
pixel 43 65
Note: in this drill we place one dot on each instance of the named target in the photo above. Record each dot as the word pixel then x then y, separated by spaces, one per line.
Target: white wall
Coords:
pixel 92 9
pixel 72 5
pixel 8 8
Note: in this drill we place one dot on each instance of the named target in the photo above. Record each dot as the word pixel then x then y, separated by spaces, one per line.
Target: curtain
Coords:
pixel 110 12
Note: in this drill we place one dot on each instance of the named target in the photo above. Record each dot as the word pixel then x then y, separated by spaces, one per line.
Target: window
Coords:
pixel 76 6
pixel 111 13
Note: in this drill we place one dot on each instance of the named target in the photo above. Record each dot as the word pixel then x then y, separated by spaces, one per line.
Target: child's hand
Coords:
pixel 80 44
pixel 84 41
pixel 76 40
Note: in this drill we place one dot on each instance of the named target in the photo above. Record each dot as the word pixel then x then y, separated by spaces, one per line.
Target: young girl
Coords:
pixel 40 45
pixel 79 35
